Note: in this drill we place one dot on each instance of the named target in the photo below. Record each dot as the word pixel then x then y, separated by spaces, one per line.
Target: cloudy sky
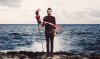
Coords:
pixel 65 11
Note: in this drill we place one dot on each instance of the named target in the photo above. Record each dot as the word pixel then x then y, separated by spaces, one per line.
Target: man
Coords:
pixel 50 31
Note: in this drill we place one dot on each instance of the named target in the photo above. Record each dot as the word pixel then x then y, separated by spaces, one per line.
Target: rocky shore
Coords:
pixel 43 55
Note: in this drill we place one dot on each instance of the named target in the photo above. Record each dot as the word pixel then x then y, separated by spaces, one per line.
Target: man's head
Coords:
pixel 49 10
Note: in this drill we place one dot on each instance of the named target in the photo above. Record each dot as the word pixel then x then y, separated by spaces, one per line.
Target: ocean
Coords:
pixel 74 38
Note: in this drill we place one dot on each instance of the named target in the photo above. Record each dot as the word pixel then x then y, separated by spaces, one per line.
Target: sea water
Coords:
pixel 74 38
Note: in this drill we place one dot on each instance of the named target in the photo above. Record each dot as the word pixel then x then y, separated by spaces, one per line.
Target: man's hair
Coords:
pixel 49 9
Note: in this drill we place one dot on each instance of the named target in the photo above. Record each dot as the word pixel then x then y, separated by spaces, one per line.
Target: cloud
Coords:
pixel 95 13
pixel 90 14
pixel 10 3
pixel 66 11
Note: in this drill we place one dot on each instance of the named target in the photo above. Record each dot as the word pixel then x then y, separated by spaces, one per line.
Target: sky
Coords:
pixel 65 11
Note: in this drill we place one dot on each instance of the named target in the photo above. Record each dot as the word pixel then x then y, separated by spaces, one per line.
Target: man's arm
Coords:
pixel 55 26
pixel 54 23
pixel 43 23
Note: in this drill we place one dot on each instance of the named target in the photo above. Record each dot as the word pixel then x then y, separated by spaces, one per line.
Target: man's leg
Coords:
pixel 47 45
pixel 52 41
pixel 47 42
pixel 52 45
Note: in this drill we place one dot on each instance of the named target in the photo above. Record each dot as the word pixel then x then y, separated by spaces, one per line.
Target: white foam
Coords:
pixel 37 46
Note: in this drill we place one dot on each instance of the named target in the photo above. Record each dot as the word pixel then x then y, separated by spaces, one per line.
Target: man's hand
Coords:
pixel 39 27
